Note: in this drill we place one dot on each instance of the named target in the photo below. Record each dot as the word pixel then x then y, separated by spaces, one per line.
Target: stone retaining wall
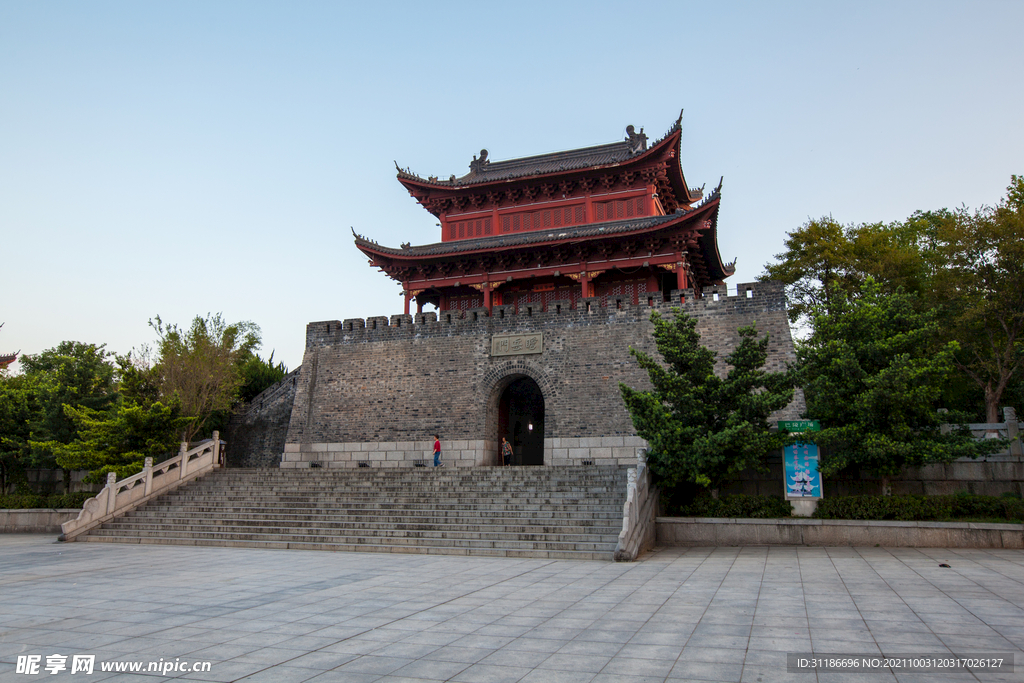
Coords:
pixel 709 531
pixel 993 476
pixel 35 520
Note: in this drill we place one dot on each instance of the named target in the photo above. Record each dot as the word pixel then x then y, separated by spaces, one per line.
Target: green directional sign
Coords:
pixel 796 426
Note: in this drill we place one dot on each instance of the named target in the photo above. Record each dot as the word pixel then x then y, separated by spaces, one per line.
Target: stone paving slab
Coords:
pixel 680 614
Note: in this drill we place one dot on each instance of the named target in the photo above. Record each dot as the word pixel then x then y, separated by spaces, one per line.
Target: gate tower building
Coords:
pixel 612 220
pixel 545 275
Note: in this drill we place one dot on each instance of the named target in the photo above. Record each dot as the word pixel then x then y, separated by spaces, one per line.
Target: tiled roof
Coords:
pixel 507 240
pixel 601 155
pixel 521 238
pixel 483 170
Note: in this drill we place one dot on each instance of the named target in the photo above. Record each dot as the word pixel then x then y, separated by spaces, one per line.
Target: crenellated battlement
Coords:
pixel 747 298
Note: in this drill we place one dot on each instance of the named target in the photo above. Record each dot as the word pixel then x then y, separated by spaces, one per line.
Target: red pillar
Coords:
pixel 407 297
pixel 681 282
pixel 419 305
pixel 487 296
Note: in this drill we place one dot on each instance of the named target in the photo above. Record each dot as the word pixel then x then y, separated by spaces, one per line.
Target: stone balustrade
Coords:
pixel 638 512
pixel 118 497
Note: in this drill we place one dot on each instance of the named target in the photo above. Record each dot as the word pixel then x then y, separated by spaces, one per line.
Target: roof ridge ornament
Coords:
pixel 637 142
pixel 679 121
pixel 480 164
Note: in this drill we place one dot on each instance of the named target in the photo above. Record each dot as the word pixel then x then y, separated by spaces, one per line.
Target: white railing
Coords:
pixel 1009 429
pixel 638 512
pixel 118 497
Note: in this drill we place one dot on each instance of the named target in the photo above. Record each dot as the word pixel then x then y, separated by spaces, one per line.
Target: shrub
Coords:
pixel 920 508
pixel 55 501
pixel 758 507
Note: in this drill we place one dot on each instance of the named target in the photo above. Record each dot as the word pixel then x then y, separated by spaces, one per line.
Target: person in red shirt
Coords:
pixel 437 451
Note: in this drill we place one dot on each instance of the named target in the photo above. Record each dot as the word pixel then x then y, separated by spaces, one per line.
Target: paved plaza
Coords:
pixel 680 614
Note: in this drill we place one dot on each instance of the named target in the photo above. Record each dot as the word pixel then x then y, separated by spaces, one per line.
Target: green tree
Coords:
pixel 200 365
pixel 814 267
pixel 702 428
pixel 257 375
pixel 19 408
pixel 872 378
pixel 979 272
pixel 71 374
pixel 120 440
pixel 825 261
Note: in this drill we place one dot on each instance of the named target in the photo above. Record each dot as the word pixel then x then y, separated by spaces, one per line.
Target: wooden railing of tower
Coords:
pixel 118 497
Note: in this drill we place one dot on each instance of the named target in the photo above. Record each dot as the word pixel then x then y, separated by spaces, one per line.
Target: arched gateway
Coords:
pixel 521 420
pixel 545 275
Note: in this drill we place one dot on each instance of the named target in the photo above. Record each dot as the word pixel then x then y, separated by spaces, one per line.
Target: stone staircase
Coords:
pixel 550 512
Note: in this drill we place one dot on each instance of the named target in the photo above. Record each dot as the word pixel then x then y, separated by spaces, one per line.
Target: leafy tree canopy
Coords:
pixel 966 264
pixel 120 440
pixel 200 365
pixel 703 428
pixel 257 375
pixel 871 378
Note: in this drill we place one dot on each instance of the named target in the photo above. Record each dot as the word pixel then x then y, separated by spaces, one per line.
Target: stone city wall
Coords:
pixel 374 391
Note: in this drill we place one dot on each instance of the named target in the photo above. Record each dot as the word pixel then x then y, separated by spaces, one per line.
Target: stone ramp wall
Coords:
pixel 256 433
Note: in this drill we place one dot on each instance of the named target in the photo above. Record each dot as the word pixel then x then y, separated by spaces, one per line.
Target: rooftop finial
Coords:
pixel 637 141
pixel 679 121
pixel 479 164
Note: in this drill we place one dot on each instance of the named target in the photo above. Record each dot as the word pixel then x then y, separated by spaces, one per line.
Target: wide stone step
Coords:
pixel 393 535
pixel 379 517
pixel 603 554
pixel 436 539
pixel 369 526
pixel 511 512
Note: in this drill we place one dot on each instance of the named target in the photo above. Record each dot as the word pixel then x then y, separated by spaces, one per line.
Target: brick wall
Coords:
pixel 374 390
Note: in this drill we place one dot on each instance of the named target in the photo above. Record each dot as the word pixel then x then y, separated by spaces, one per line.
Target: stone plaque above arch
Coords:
pixel 517 344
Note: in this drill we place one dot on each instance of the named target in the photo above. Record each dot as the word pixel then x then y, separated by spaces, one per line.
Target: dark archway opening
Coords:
pixel 521 421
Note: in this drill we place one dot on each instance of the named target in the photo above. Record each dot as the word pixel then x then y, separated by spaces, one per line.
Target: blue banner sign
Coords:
pixel 803 480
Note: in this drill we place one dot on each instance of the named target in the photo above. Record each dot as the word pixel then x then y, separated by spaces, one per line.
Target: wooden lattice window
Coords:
pixel 579 215
pixel 487 226
pixel 516 225
pixel 506 223
pixel 462 230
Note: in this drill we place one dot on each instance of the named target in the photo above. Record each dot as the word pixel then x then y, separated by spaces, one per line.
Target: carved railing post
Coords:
pixel 216 449
pixel 183 465
pixel 111 492
pixel 1012 430
pixel 148 469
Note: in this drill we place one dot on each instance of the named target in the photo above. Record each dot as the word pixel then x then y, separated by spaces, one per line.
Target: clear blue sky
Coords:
pixel 192 157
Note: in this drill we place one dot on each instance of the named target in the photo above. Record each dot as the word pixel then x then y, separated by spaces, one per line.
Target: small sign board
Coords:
pixel 517 344
pixel 797 426
pixel 800 463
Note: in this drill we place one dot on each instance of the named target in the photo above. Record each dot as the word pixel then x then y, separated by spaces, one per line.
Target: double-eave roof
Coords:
pixel 708 209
